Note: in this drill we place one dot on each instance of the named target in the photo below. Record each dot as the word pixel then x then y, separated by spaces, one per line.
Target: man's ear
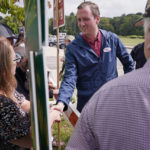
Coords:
pixel 149 28
pixel 97 19
pixel 147 43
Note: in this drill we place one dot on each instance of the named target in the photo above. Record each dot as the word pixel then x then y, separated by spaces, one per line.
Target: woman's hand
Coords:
pixel 55 116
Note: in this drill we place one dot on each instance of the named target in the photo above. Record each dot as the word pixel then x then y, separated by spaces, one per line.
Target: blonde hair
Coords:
pixel 7 80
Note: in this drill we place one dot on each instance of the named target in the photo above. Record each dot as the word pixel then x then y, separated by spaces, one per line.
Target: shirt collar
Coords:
pixel 98 38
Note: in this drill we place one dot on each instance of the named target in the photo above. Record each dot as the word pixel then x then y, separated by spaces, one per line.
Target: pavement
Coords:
pixel 51 60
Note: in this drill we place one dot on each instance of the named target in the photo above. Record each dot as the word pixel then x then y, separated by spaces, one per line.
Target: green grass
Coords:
pixel 130 41
pixel 65 132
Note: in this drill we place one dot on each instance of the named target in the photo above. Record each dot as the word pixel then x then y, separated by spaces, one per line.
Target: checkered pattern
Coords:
pixel 117 117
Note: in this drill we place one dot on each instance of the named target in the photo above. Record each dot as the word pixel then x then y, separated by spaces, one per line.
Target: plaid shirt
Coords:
pixel 96 44
pixel 118 115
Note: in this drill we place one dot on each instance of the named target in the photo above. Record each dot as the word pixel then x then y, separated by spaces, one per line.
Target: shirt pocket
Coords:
pixel 107 63
pixel 86 62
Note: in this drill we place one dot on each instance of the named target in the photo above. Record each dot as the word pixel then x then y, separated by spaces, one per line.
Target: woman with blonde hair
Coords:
pixel 14 110
pixel 15 124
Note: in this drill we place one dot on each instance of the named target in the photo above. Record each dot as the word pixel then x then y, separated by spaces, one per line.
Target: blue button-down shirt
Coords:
pixel 85 70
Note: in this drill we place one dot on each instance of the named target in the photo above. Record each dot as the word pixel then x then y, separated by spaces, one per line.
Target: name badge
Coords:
pixel 107 49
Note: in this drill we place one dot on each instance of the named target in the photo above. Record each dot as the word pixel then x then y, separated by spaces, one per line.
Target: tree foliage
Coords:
pixel 15 14
pixel 123 25
pixel 105 23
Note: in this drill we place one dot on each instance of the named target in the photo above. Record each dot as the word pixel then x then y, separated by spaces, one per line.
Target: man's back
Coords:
pixel 117 116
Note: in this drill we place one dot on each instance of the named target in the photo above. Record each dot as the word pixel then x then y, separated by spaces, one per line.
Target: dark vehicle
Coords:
pixel 52 43
pixel 62 44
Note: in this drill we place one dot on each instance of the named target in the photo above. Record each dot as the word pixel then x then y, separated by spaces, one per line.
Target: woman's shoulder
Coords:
pixel 8 105
pixel 5 100
pixel 14 122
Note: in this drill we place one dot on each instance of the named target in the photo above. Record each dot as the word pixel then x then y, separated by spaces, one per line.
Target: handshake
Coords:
pixel 55 116
pixel 56 113
pixel 55 110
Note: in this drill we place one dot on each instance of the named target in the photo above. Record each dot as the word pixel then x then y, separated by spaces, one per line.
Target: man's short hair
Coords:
pixel 94 8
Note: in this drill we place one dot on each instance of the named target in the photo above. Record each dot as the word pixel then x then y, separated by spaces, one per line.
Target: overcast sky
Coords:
pixel 108 8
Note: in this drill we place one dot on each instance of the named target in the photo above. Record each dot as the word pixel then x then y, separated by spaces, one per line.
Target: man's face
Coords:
pixel 86 21
pixel 147 44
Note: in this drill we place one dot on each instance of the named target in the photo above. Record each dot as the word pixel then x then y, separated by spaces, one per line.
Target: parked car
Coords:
pixel 52 43
pixel 62 44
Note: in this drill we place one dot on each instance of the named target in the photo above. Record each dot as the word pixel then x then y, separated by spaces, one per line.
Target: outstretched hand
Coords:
pixel 55 116
pixel 59 107
pixel 54 89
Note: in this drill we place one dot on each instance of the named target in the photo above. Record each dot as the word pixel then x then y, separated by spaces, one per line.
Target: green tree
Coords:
pixel 127 26
pixel 105 23
pixel 16 13
pixel 71 25
pixel 51 31
pixel 123 25
pixel 116 24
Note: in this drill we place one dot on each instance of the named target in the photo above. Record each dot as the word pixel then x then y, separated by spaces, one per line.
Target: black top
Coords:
pixel 14 123
pixel 138 56
pixel 22 82
pixel 21 78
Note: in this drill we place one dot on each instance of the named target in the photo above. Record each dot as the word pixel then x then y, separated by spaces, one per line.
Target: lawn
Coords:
pixel 65 132
pixel 130 41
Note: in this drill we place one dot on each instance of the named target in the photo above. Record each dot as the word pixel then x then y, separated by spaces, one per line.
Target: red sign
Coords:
pixel 61 20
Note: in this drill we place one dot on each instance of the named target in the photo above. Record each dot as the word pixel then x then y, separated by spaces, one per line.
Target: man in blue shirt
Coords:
pixel 91 58
pixel 117 117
